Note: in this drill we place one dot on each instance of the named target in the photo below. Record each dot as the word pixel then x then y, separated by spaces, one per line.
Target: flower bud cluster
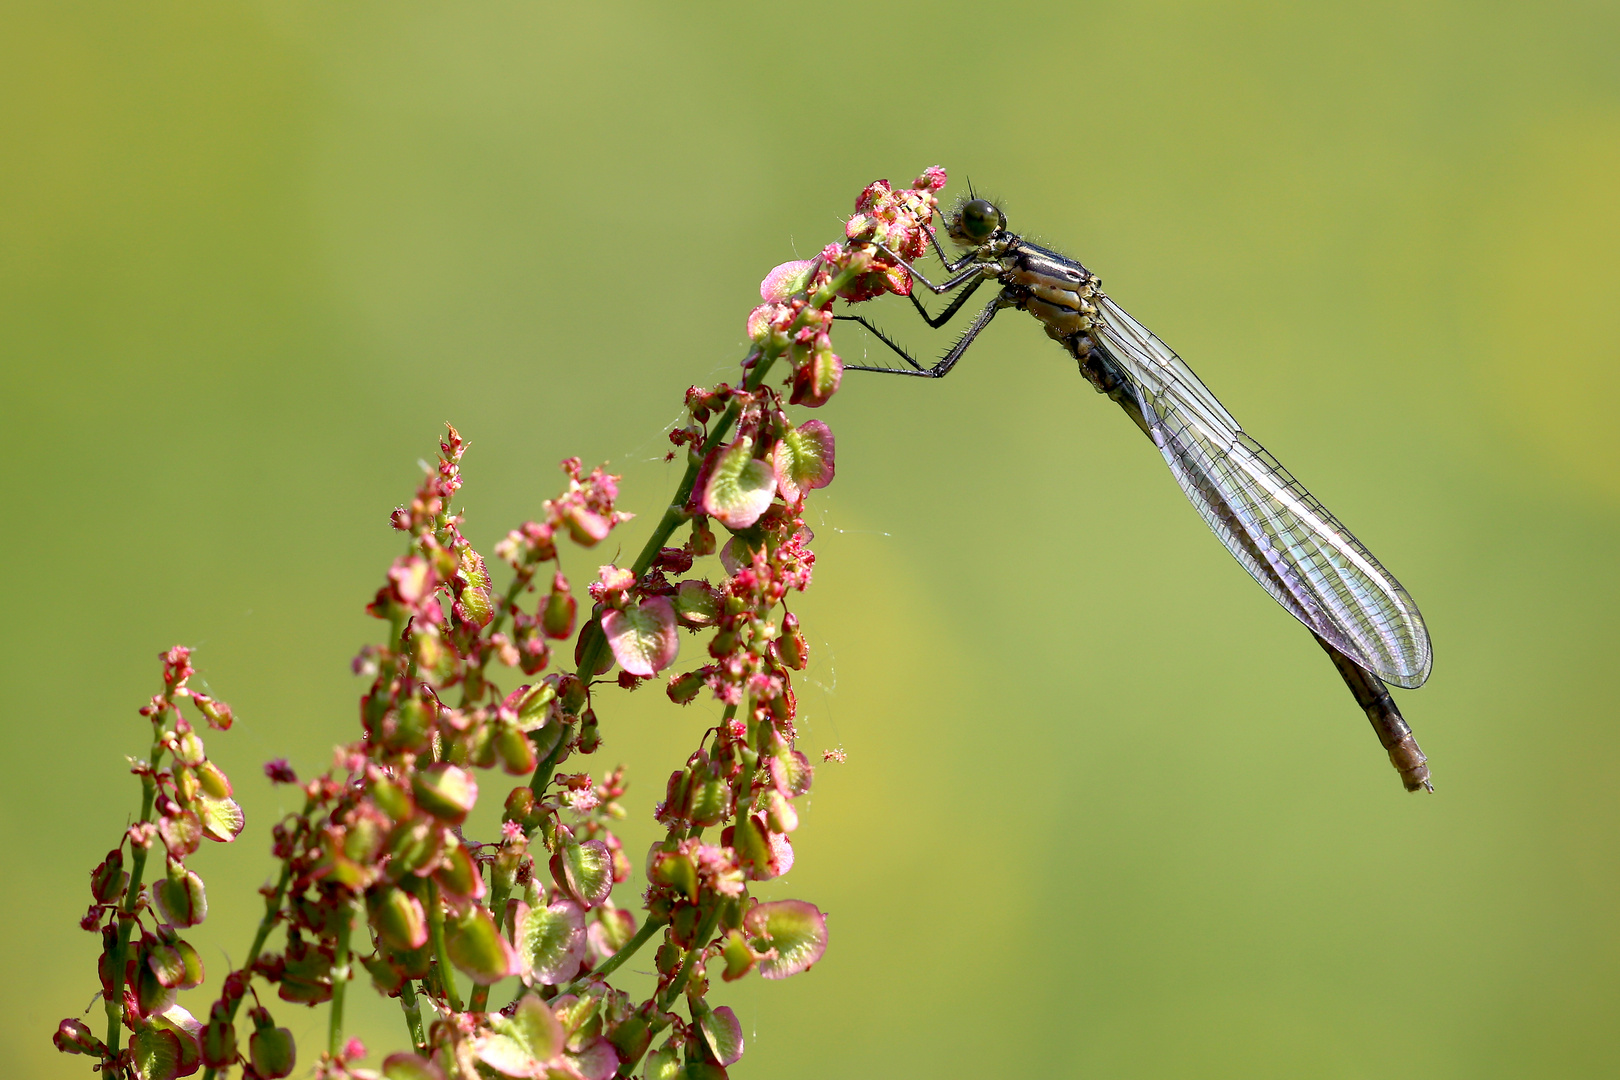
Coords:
pixel 744 782
pixel 382 832
pixel 376 871
pixel 796 317
pixel 898 220
pixel 145 962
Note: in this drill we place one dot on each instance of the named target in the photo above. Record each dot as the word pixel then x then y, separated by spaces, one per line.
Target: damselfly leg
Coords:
pixel 951 266
pixel 972 278
pixel 937 321
pixel 942 368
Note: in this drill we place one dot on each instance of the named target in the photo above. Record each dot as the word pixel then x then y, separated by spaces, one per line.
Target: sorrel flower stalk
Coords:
pixel 181 804
pixel 375 871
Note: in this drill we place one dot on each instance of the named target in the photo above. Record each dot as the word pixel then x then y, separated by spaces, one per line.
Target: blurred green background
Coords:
pixel 1107 810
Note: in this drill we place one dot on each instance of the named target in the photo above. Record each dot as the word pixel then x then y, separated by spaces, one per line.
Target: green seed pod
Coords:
pixel 271 1049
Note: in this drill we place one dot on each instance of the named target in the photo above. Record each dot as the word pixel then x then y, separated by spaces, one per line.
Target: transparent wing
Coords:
pixel 1289 543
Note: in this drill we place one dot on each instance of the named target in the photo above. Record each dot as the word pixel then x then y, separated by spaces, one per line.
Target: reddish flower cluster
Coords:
pixel 141 975
pixel 378 846
pixel 381 831
pixel 796 317
pixel 897 220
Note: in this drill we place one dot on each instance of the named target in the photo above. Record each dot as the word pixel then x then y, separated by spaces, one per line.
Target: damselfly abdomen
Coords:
pixel 1284 537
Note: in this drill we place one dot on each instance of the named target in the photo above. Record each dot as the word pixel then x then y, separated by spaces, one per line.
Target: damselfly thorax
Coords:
pixel 1060 292
pixel 1287 540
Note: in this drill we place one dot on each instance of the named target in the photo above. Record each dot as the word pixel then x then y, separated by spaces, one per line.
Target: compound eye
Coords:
pixel 980 220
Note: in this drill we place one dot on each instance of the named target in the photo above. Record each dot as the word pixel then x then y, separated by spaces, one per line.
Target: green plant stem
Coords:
pixel 341 973
pixel 478 1000
pixel 699 944
pixel 509 599
pixel 626 951
pixel 543 771
pixel 447 974
pixel 413 1014
pixel 673 991
pixel 506 606
pixel 272 913
pixel 695 831
pixel 129 909
pixel 594 643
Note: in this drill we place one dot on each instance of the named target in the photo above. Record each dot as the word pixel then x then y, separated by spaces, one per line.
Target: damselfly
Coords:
pixel 1284 537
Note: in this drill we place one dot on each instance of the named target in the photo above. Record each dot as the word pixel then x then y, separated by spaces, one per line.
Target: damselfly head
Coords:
pixel 975 221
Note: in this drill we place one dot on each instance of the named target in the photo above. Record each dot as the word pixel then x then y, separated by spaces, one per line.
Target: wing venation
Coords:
pixel 1281 534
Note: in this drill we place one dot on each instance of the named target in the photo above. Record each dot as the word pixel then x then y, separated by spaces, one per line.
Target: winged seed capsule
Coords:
pixel 1288 541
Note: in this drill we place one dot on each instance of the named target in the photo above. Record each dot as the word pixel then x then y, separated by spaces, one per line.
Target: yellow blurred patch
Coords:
pixel 1545 309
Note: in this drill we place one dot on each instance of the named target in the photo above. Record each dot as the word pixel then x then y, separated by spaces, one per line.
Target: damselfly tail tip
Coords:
pixel 1419 782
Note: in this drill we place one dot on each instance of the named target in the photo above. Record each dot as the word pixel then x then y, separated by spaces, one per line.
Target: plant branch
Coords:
pixel 675 513
pixel 699 945
pixel 341 973
pixel 413 1015
pixel 129 909
pixel 447 975
pixel 543 771
pixel 667 998
pixel 272 915
pixel 500 888
pixel 626 951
